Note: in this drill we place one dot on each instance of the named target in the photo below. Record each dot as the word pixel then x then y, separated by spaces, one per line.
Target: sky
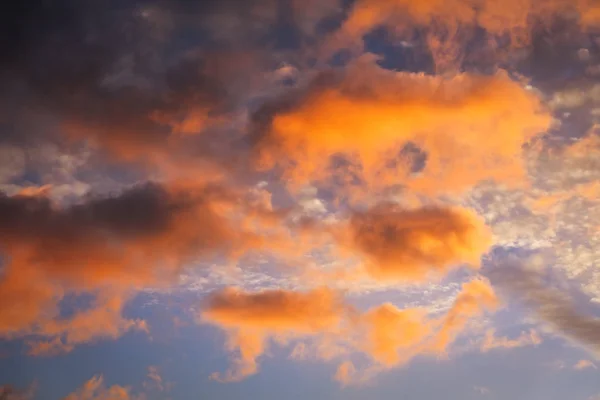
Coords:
pixel 291 199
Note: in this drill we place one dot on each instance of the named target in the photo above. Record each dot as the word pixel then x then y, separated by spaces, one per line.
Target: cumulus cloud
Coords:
pixel 482 390
pixel 448 26
pixel 415 244
pixel 367 115
pixel 108 247
pixel 389 336
pixel 208 117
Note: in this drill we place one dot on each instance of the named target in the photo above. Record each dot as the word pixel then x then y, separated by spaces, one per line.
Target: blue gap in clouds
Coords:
pixel 73 303
pixel 409 55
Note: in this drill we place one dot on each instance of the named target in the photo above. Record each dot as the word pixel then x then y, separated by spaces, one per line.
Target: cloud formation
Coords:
pixel 584 364
pixel 389 336
pixel 251 318
pixel 106 246
pixel 552 306
pixel 366 115
pixel 282 134
pixel 8 392
pixel 95 389
pixel 415 244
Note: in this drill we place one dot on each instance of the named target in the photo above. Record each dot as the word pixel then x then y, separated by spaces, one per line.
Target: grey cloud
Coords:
pixel 551 305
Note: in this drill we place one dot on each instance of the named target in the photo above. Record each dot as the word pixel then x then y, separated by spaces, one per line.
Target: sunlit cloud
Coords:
pixel 342 180
pixel 388 335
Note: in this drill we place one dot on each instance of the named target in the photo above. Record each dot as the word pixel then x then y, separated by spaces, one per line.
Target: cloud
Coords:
pixel 275 310
pixel 491 341
pixel 8 392
pixel 367 115
pixel 389 336
pixel 393 335
pixel 95 389
pixel 155 382
pixel 111 80
pixel 451 27
pixel 475 297
pixel 550 305
pixel 103 320
pixel 251 318
pixel 583 364
pixel 415 244
pixel 108 247
pixel 345 373
pixel 482 390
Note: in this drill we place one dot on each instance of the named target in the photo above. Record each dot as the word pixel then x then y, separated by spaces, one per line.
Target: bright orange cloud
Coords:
pixel 393 335
pixel 475 297
pixel 415 244
pixel 388 335
pixel 470 127
pixel 251 318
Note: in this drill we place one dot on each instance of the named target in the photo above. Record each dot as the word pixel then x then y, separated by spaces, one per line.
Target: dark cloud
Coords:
pixel 552 60
pixel 9 392
pixel 551 305
pixel 109 247
pixel 104 71
pixel 142 210
pixel 416 244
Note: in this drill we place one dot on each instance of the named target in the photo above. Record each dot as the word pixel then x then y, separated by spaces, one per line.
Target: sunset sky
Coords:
pixel 300 199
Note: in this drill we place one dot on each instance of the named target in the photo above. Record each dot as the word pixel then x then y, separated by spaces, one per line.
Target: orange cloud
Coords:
pixel 470 127
pixel 108 247
pixel 583 364
pixel 388 335
pixel 475 297
pixel 346 372
pixel 8 392
pixel 103 320
pixel 450 23
pixel 307 312
pixel 251 318
pixel 95 389
pixel 415 244
pixel 393 335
